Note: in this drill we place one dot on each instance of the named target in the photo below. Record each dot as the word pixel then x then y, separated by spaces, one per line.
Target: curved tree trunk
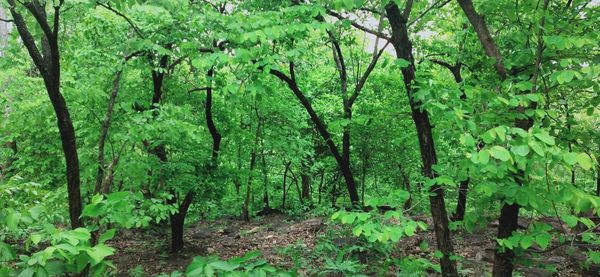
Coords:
pixel 48 63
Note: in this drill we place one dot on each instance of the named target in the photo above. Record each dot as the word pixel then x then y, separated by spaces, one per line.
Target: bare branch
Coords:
pixel 435 5
pixel 110 8
pixel 339 63
pixel 39 13
pixel 28 39
pixel 358 26
pixel 480 27
pixel 363 79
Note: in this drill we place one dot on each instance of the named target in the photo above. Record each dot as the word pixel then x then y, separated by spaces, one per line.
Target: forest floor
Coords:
pixel 229 237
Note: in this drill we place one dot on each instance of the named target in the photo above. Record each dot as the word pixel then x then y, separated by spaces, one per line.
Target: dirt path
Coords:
pixel 225 238
pixel 230 237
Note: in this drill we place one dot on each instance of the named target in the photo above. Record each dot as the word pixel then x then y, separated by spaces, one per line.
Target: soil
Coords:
pixel 147 250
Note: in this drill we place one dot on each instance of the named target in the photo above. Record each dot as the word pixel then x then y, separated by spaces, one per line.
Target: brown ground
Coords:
pixel 229 237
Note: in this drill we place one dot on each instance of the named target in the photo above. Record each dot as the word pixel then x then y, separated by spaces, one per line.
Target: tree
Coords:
pixel 47 62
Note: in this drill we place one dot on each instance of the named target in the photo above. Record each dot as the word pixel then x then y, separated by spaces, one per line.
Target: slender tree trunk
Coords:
pixel 598 180
pixel 295 181
pixel 100 175
pixel 463 189
pixel 265 179
pixel 48 63
pixel 461 203
pixel 509 214
pixel 285 173
pixel 177 223
pixel 321 185
pixel 305 180
pixel 406 185
pixel 403 47
pixel 246 206
pixel 343 164
pixel 178 219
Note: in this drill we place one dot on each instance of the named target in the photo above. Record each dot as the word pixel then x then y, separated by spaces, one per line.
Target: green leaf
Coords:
pixel 12 220
pixel 489 136
pixel 402 63
pixel 536 147
pixel 35 238
pixel 526 242
pixel 7 254
pixel 521 150
pixel 545 138
pixel 224 266
pixel 584 161
pixel 570 158
pixel 410 228
pixel 484 156
pixel 99 252
pixel 565 76
pixel 570 220
pixel 500 153
pixel 93 210
pixel 107 235
pixel 196 267
pixel 543 240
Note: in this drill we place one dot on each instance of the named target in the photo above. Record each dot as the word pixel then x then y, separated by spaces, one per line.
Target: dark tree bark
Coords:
pixel 265 177
pixel 102 167
pixel 321 185
pixel 342 158
pixel 295 181
pixel 285 173
pixel 406 185
pixel 483 33
pixel 177 223
pixel 306 181
pixel 48 63
pixel 246 205
pixel 461 203
pixel 463 188
pixel 403 46
pixel 598 180
pixel 178 219
pixel 322 129
pixel 509 214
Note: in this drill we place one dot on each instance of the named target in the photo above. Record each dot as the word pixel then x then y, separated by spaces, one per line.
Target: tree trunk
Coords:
pixel 461 203
pixel 305 180
pixel 177 222
pixel 285 172
pixel 403 47
pixel 265 179
pixel 343 164
pixel 246 206
pixel 295 181
pixel 178 219
pixel 321 185
pixel 598 180
pixel 48 63
pixel 406 185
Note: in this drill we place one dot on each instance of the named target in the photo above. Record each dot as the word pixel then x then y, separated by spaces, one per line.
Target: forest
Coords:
pixel 299 138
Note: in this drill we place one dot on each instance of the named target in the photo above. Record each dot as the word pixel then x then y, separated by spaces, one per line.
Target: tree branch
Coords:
pixel 321 127
pixel 28 39
pixel 363 78
pixel 483 33
pixel 435 5
pixel 358 26
pixel 110 8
